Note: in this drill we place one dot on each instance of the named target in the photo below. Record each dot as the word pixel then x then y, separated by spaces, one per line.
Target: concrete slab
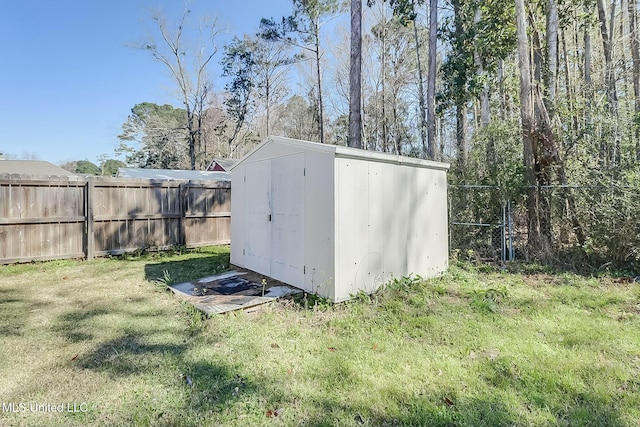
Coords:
pixel 231 290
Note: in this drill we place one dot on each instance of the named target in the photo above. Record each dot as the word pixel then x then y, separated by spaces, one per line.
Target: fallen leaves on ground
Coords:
pixel 274 413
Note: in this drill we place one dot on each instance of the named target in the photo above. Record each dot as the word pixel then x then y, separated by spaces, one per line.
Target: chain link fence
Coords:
pixel 578 223
pixel 480 223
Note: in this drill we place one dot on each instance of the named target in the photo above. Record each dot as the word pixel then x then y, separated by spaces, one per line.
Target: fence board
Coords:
pixel 58 218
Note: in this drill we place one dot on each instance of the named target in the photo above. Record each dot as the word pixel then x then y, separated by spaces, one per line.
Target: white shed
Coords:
pixel 334 220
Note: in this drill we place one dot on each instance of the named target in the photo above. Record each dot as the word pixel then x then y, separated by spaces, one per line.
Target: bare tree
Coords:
pixel 302 29
pixel 272 60
pixel 188 68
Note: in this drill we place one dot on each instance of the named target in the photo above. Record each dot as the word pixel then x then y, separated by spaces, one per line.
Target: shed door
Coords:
pixel 287 227
pixel 274 206
pixel 258 211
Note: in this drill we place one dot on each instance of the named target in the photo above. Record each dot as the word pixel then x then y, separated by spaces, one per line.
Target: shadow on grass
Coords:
pixel 489 411
pixel 216 391
pixel 130 355
pixel 12 315
pixel 15 310
pixel 158 356
pixel 146 359
pixel 70 324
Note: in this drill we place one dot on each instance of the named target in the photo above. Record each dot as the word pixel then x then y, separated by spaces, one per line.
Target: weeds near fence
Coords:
pixel 490 223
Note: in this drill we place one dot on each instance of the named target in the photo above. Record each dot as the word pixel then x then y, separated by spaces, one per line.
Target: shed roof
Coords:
pixel 173 174
pixel 33 168
pixel 348 152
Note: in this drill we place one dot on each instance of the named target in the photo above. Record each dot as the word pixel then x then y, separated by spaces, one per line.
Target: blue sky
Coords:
pixel 69 78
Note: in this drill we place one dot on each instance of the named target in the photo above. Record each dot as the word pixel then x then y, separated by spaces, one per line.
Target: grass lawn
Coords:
pixel 479 346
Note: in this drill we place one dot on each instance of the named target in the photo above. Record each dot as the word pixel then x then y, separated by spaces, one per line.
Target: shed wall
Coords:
pixel 295 187
pixel 390 222
pixel 238 215
pixel 343 221
pixel 319 224
pixel 428 243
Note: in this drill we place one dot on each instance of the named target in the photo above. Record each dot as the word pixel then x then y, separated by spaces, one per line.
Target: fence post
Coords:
pixel 449 218
pixel 510 222
pixel 503 233
pixel 182 235
pixel 90 249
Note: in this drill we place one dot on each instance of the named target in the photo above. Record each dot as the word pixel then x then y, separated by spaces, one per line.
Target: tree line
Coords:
pixel 523 95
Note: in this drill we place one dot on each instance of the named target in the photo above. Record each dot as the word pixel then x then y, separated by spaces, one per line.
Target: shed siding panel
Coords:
pixel 352 188
pixel 395 194
pixel 319 223
pixel 238 216
pixel 287 219
pixel 428 245
pixel 378 224
pixel 258 208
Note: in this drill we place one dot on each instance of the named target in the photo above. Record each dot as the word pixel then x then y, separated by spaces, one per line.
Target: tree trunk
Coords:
pixel 485 113
pixel 562 176
pixel 587 71
pixel 569 89
pixel 526 116
pixel 355 76
pixel 461 137
pixel 319 78
pixel 267 101
pixel 485 110
pixel 538 57
pixel 606 30
pixel 503 101
pixel 607 44
pixel 615 155
pixel 552 54
pixel 635 56
pixel 431 82
pixel 547 157
pixel 426 151
pixel 396 125
pixel 460 104
pixel 587 52
pixel 385 128
pixel 192 138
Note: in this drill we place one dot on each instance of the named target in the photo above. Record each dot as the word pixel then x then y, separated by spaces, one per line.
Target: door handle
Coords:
pixel 269 217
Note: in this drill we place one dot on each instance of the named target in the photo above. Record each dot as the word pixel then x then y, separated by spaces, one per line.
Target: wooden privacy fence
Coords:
pixel 43 219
